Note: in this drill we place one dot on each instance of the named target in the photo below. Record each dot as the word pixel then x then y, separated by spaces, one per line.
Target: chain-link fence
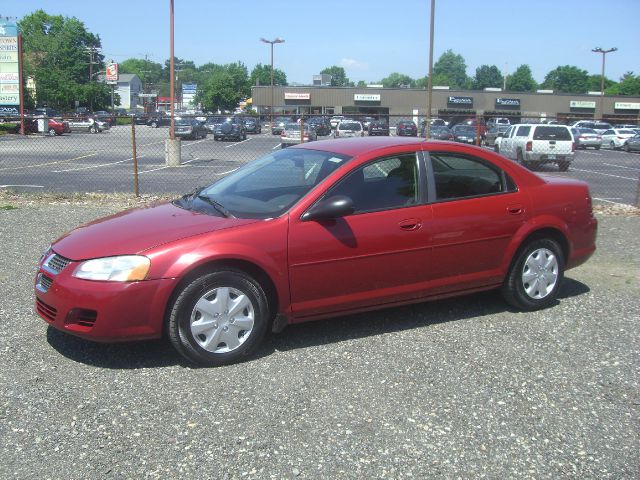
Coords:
pixel 134 154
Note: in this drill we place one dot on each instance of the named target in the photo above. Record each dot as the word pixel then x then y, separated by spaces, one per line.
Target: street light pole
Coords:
pixel 271 42
pixel 604 53
pixel 172 85
pixel 427 127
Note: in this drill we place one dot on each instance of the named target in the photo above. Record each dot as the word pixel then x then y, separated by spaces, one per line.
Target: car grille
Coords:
pixel 57 263
pixel 46 311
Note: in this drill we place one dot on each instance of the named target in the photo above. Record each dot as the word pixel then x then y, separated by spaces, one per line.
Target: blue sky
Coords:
pixel 370 39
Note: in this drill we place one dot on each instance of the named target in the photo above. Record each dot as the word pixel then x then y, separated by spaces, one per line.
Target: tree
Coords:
pixel 396 80
pixel 629 85
pixel 338 76
pixel 261 75
pixel 567 79
pixel 56 55
pixel 594 83
pixel 487 76
pixel 450 66
pixel 361 84
pixel 150 73
pixel 222 87
pixel 521 80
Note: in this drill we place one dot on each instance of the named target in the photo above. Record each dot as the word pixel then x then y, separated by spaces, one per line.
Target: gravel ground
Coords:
pixel 463 388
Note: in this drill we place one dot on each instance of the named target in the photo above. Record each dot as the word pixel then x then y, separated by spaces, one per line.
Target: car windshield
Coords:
pixel 267 187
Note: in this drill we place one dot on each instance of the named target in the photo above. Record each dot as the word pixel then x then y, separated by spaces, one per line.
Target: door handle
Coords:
pixel 515 209
pixel 410 224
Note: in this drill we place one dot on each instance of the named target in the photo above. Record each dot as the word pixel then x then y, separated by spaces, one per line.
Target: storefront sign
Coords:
pixel 460 101
pixel 626 106
pixel 297 96
pixel 9 68
pixel 112 73
pixel 366 97
pixel 508 102
pixel 581 104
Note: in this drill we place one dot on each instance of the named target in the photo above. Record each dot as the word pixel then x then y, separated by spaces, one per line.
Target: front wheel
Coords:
pixel 597 147
pixel 563 166
pixel 612 145
pixel 535 275
pixel 218 318
pixel 626 147
pixel 52 133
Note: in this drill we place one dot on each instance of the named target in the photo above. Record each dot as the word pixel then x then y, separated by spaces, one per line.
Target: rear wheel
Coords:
pixel 218 318
pixel 626 147
pixel 563 166
pixel 52 132
pixel 597 147
pixel 535 275
pixel 612 145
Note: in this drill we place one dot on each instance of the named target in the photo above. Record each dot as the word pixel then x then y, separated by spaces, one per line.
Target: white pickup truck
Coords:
pixel 535 144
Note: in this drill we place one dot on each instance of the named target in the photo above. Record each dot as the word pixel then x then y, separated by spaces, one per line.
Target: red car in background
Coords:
pixel 317 230
pixel 54 126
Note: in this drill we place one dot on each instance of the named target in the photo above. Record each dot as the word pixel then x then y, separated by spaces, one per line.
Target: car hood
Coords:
pixel 137 230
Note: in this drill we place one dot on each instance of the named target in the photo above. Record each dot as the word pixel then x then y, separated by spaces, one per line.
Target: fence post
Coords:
pixel 135 158
pixel 638 193
pixel 302 128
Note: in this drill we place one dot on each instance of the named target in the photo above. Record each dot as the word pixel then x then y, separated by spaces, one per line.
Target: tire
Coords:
pixel 219 318
pixel 154 124
pixel 563 166
pixel 612 145
pixel 519 157
pixel 597 147
pixel 496 147
pixel 52 132
pixel 535 275
pixel 626 147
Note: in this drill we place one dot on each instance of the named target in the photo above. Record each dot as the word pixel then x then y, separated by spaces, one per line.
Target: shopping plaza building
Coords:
pixel 447 104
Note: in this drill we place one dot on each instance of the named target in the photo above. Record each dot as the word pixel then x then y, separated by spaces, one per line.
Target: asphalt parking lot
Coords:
pixel 463 388
pixel 83 162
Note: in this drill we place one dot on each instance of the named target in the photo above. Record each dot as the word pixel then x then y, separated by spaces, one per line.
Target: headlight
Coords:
pixel 129 268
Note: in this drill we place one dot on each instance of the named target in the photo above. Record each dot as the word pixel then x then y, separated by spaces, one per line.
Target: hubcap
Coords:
pixel 222 320
pixel 540 273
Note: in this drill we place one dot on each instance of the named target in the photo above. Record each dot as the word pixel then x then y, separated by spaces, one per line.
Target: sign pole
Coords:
pixel 20 83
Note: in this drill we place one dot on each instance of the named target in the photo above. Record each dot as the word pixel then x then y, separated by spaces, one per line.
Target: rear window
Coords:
pixel 353 126
pixel 552 133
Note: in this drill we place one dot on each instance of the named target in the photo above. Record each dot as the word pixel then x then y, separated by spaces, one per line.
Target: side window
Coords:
pixel 461 177
pixel 507 134
pixel 523 131
pixel 387 183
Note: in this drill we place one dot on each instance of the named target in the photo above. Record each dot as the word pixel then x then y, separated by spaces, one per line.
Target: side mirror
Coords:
pixel 332 207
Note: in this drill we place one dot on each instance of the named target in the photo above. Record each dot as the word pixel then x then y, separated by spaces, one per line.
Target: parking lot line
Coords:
pixel 237 143
pixel 621 166
pixel 22 186
pixel 89 167
pixel 605 174
pixel 48 163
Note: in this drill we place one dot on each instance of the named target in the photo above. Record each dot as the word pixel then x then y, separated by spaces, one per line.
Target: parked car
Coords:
pixel 599 127
pixel 335 120
pixel 212 122
pixel 314 231
pixel 626 125
pixel 632 144
pixel 232 128
pixel 465 133
pixel 321 125
pixel 54 127
pixel 586 137
pixel 493 122
pixel 406 128
pixel 493 132
pixel 291 134
pixel 538 144
pixel 348 128
pixel 279 123
pixel 87 124
pixel 439 132
pixel 378 127
pixel 252 125
pixel 105 116
pixel 159 119
pixel 479 125
pixel 189 128
pixel 615 138
pixel 139 118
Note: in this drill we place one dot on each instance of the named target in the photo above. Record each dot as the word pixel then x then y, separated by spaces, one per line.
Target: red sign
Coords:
pixel 112 72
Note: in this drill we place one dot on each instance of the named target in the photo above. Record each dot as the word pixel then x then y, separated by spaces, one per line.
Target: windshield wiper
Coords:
pixel 217 205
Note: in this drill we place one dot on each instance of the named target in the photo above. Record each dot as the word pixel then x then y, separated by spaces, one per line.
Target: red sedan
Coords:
pixel 54 126
pixel 314 231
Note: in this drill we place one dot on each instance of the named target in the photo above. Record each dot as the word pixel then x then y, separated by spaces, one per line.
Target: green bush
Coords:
pixel 123 121
pixel 9 128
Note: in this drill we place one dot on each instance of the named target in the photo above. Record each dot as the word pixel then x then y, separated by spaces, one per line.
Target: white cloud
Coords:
pixel 351 63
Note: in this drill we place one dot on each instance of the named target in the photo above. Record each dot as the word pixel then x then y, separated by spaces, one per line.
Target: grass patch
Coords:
pixel 8 207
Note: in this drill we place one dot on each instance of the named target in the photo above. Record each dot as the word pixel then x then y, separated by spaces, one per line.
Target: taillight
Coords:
pixel 529 146
pixel 620 138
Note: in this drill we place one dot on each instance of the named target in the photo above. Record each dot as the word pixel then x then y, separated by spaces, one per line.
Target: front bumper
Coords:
pixel 101 311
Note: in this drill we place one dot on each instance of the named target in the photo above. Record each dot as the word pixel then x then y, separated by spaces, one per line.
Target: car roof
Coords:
pixel 356 146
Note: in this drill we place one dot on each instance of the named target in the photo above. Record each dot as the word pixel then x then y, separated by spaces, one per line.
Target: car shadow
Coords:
pixel 159 353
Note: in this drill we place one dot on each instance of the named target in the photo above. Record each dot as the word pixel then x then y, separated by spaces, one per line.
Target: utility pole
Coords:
pixel 427 126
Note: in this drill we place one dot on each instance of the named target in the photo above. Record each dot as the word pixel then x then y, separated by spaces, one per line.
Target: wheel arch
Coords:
pixel 244 266
pixel 550 232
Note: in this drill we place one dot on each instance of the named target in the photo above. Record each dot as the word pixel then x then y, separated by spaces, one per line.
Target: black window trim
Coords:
pixel 431 181
pixel 421 181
